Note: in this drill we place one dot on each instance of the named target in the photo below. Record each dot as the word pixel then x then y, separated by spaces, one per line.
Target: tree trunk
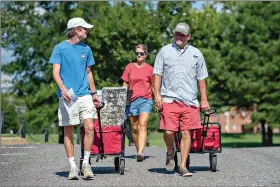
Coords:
pixel 266 134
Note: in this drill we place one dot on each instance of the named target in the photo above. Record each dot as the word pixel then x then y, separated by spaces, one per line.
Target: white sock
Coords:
pixel 86 157
pixel 72 162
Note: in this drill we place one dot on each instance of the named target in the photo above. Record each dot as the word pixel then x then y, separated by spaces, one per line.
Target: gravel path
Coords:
pixel 47 165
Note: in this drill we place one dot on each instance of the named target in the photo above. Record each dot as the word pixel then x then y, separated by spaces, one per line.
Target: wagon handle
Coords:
pixel 207 114
pixel 100 106
pixel 212 110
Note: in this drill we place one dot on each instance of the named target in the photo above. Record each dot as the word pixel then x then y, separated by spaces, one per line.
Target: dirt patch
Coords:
pixel 13 141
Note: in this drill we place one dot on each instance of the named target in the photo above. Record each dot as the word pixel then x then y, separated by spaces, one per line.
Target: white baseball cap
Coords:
pixel 78 22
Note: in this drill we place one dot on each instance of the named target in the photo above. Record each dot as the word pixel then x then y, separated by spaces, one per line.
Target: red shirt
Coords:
pixel 139 79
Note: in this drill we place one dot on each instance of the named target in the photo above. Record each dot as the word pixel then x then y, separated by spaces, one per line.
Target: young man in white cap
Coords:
pixel 71 60
pixel 179 70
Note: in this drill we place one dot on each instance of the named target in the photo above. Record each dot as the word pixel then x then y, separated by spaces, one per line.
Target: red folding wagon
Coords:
pixel 204 140
pixel 110 128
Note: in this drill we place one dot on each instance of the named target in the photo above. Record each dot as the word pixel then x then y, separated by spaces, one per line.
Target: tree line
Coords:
pixel 240 44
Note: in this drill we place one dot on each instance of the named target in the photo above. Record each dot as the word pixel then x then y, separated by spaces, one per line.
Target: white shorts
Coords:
pixel 75 113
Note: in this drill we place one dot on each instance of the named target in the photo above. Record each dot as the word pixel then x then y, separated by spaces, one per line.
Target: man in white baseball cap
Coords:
pixel 72 61
pixel 78 22
pixel 75 25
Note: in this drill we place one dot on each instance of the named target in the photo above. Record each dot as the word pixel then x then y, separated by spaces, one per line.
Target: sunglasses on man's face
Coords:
pixel 140 53
pixel 180 34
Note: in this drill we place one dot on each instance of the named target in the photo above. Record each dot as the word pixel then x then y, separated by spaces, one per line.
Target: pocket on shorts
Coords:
pixel 67 115
pixel 62 106
pixel 87 108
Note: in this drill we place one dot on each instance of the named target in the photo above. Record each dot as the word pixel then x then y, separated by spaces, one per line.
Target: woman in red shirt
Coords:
pixel 138 77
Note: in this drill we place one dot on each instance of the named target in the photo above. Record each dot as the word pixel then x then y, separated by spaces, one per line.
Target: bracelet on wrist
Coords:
pixel 93 93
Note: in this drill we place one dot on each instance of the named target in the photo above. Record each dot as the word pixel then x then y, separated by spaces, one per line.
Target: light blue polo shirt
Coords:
pixel 180 71
pixel 73 60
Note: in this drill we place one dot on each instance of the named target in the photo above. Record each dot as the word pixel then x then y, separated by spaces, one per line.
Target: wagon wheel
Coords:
pixel 213 162
pixel 210 161
pixel 176 161
pixel 122 166
pixel 117 163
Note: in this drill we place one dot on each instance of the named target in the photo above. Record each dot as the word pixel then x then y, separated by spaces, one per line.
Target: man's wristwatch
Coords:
pixel 93 93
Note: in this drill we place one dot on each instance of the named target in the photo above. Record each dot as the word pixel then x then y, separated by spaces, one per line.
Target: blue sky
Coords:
pixel 6 56
pixel 198 4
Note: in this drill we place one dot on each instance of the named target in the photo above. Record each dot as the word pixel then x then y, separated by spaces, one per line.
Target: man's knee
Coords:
pixel 185 134
pixel 169 133
pixel 89 129
pixel 68 130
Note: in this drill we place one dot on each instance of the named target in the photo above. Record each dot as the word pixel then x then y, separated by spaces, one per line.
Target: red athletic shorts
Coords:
pixel 177 115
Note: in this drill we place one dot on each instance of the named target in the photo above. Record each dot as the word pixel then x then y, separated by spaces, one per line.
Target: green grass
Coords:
pixel 156 139
pixel 39 138
pixel 228 140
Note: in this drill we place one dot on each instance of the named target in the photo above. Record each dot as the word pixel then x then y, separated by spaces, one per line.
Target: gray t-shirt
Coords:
pixel 180 71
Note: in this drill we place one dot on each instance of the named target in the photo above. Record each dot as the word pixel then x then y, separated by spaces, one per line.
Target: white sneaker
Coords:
pixel 73 174
pixel 86 171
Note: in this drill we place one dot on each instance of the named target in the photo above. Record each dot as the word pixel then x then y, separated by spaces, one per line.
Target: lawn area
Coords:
pixel 39 138
pixel 228 140
pixel 156 139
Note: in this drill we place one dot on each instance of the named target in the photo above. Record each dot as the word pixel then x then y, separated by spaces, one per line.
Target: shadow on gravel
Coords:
pixel 95 170
pixel 62 173
pixel 160 170
pixel 134 157
pixel 194 169
pixel 104 170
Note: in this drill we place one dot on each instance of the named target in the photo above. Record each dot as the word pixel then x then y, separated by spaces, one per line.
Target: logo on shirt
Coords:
pixel 83 56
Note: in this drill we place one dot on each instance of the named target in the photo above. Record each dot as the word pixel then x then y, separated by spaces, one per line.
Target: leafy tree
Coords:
pixel 249 49
pixel 8 24
pixel 240 46
pixel 11 119
pixel 206 31
pixel 113 42
pixel 32 42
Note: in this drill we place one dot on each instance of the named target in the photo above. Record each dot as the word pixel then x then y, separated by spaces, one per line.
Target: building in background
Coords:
pixel 234 120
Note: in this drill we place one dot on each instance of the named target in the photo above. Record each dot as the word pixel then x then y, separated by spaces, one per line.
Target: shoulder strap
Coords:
pixel 131 68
